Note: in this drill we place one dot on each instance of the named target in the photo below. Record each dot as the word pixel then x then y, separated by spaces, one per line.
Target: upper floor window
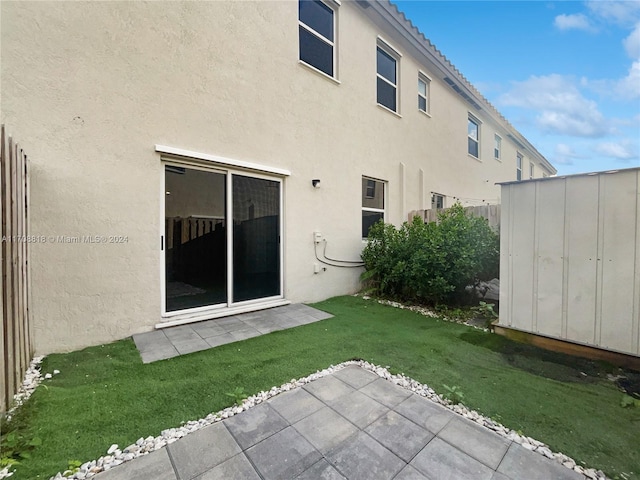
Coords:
pixel 473 133
pixel 518 166
pixel 497 148
pixel 423 93
pixel 373 203
pixel 531 169
pixel 387 79
pixel 316 27
pixel 437 201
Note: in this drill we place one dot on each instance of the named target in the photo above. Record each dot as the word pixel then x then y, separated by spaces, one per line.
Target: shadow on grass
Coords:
pixel 543 363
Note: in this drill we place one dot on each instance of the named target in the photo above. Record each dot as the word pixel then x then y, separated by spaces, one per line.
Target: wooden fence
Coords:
pixel 490 212
pixel 16 339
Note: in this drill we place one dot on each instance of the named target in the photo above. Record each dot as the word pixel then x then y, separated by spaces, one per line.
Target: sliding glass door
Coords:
pixel 209 260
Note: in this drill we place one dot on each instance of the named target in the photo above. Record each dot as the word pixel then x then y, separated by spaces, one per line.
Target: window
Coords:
pixel 387 79
pixel 437 201
pixel 497 148
pixel 519 166
pixel 423 93
pixel 473 130
pixel 531 170
pixel 373 204
pixel 316 33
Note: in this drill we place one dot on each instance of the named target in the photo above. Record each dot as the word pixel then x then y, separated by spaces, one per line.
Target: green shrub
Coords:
pixel 432 262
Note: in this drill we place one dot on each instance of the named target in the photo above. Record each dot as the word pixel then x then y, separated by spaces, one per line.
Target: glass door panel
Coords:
pixel 195 238
pixel 256 238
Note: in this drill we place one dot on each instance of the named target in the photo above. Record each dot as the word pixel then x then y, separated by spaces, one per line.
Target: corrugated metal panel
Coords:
pixel 550 258
pixel 570 259
pixel 618 198
pixel 522 254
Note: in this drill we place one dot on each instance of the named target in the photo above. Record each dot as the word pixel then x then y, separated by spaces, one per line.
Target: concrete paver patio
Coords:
pixel 351 425
pixel 174 341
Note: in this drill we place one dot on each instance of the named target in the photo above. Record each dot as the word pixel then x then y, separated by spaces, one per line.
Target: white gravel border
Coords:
pixel 116 456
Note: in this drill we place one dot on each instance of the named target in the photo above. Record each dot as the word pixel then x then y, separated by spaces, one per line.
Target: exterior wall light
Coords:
pixel 316 183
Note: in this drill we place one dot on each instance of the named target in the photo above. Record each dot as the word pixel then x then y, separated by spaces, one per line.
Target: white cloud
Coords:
pixel 629 86
pixel 625 88
pixel 621 12
pixel 622 150
pixel 632 43
pixel 576 21
pixel 563 154
pixel 562 109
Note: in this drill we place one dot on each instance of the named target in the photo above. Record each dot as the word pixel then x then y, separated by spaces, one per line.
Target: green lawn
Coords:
pixel 105 395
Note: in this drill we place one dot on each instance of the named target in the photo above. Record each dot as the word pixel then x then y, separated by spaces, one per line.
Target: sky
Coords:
pixel 566 74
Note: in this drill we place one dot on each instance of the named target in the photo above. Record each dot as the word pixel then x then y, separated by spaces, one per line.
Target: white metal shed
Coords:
pixel 570 259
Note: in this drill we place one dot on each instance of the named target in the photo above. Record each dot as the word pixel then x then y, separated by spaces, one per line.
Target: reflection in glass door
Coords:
pixel 196 238
pixel 256 238
pixel 205 263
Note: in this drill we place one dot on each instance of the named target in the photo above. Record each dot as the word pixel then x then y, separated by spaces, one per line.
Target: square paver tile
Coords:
pixel 325 429
pixel 190 346
pixel 202 450
pixel 356 376
pixel 318 314
pixel 220 339
pixel 268 328
pixel 245 333
pixel 155 466
pixel 254 425
pixel 499 476
pixel 401 436
pixel 425 413
pixel 149 341
pixel 230 324
pixel 476 441
pixel 360 457
pixel 161 353
pixel 208 329
pixel 283 455
pixel 386 392
pixel 521 463
pixel 237 467
pixel 441 461
pixel 358 408
pixel 328 388
pixel 304 319
pixel 409 473
pixel 321 470
pixel 295 405
pixel 181 333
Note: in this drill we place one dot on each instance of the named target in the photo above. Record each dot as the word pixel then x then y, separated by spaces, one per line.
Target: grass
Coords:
pixel 105 395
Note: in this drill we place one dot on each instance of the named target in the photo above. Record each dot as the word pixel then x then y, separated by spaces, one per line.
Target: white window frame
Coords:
pixel 532 169
pixel 395 55
pixel 333 6
pixel 434 197
pixel 519 162
pixel 473 119
pixel 424 78
pixel 384 201
pixel 497 147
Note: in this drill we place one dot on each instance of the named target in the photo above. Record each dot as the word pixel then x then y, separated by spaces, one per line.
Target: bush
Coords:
pixel 432 262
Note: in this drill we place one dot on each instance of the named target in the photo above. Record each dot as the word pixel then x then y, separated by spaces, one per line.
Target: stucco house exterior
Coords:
pixel 190 160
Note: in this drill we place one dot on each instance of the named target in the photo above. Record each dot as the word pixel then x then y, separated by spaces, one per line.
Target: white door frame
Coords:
pixel 222 166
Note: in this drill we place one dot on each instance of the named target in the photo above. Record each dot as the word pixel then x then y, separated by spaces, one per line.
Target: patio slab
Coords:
pixel 317 431
pixel 184 339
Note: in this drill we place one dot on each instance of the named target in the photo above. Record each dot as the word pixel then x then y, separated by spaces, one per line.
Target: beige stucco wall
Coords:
pixel 90 88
